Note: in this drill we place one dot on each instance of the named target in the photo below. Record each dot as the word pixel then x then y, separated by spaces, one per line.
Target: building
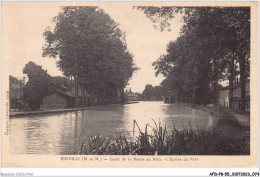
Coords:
pixel 131 96
pixel 237 97
pixel 16 92
pixel 59 98
pixel 224 96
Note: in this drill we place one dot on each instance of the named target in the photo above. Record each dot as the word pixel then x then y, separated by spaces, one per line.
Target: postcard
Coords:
pixel 129 84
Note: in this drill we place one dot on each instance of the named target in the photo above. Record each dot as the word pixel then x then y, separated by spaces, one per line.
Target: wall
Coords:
pixel 224 98
pixel 53 101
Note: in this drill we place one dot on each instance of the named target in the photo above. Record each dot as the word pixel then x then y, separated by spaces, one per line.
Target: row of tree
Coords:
pixel 214 45
pixel 152 93
pixel 41 84
pixel 91 50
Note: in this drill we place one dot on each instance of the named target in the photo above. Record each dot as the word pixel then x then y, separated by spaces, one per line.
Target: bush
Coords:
pixel 157 141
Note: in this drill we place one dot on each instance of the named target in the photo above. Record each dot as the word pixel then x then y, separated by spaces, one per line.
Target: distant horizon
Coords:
pixel 126 88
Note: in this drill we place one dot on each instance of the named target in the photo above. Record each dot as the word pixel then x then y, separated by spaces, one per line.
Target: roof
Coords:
pixel 67 94
pixel 62 88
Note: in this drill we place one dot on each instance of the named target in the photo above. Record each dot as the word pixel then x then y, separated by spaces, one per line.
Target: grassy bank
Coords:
pixel 226 137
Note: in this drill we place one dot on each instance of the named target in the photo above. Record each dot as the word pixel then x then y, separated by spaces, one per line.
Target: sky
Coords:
pixel 26 24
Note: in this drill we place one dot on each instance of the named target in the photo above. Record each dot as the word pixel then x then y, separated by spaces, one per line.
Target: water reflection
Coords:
pixel 63 133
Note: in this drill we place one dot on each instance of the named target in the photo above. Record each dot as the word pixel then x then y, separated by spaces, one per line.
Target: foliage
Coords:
pixel 161 16
pixel 91 48
pixel 38 84
pixel 148 91
pixel 157 90
pixel 63 81
pixel 152 93
pixel 212 40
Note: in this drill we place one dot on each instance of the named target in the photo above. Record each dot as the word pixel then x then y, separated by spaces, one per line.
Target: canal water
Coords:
pixel 63 133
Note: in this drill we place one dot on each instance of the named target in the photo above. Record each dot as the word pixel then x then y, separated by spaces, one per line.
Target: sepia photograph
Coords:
pixel 158 81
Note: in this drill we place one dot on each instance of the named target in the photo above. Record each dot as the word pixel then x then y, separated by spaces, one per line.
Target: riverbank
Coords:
pixel 131 102
pixel 231 123
pixel 28 113
pixel 225 115
pixel 228 136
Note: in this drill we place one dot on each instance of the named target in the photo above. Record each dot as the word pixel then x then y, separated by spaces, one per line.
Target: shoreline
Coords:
pixel 234 116
pixel 223 114
pixel 20 114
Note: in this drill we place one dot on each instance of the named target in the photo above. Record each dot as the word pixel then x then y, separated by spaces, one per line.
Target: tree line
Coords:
pixel 152 93
pixel 214 45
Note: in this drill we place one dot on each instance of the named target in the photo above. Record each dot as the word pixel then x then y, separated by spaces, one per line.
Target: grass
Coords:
pixel 226 137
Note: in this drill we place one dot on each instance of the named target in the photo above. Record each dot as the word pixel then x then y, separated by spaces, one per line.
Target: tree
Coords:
pixel 157 92
pixel 148 92
pixel 213 37
pixel 241 26
pixel 37 86
pixel 152 93
pixel 63 81
pixel 91 48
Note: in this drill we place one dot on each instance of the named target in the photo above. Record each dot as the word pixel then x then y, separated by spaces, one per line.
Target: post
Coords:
pixel 242 81
pixel 231 80
pixel 76 91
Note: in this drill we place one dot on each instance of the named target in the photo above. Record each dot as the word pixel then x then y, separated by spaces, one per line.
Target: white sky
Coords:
pixel 27 23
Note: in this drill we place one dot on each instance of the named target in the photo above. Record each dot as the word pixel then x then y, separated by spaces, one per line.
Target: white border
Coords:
pixel 129 171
